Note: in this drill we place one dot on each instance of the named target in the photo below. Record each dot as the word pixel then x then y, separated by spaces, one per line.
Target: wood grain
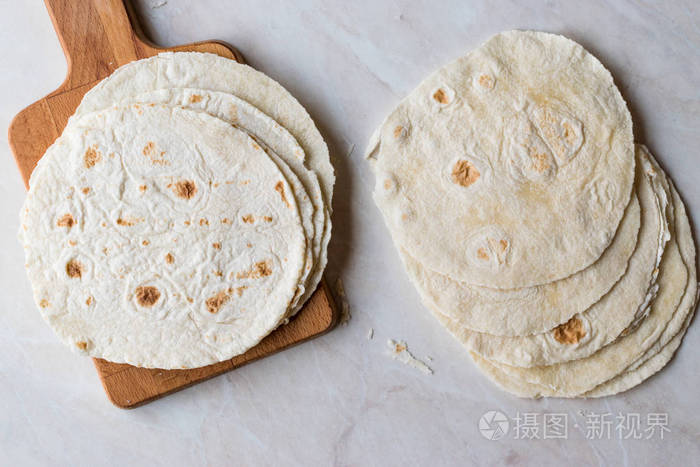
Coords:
pixel 98 36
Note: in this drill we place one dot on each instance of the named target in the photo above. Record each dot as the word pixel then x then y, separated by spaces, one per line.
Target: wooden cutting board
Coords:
pixel 98 36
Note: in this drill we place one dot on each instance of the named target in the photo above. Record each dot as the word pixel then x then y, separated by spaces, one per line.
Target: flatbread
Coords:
pixel 529 310
pixel 281 147
pixel 675 301
pixel 214 73
pixel 659 354
pixel 646 368
pixel 138 241
pixel 586 332
pixel 510 167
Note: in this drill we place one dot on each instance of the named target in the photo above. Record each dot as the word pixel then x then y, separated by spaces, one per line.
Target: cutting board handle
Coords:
pixel 98 36
pixel 88 31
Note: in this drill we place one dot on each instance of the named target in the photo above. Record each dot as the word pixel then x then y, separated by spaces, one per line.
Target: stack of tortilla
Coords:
pixel 182 216
pixel 554 248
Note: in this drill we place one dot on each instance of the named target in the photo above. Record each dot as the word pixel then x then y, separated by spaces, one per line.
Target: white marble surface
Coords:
pixel 339 399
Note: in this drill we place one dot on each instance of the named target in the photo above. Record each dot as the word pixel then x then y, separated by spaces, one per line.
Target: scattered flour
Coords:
pixel 399 351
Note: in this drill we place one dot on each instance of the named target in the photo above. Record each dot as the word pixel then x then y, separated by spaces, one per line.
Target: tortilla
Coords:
pixel 281 147
pixel 605 320
pixel 214 73
pixel 659 354
pixel 510 167
pixel 529 310
pixel 675 301
pixel 647 368
pixel 161 237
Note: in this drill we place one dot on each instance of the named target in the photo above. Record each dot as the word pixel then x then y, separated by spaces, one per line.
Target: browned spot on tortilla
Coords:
pixel 267 218
pixel 126 222
pixel 147 295
pixel 169 258
pixel 569 133
pixel 464 173
pixel 245 182
pixel 43 303
pixel 187 222
pixel 190 299
pixel 539 162
pixel 259 269
pixel 239 290
pixel 398 348
pixel 218 273
pixel 142 188
pixel 86 190
pixel 92 156
pixel 441 96
pixel 499 247
pixel 185 189
pixel 217 301
pixel 74 269
pixel 570 332
pixel 481 253
pixel 225 220
pixel 72 242
pixel 387 184
pixel 256 146
pixel 203 221
pixel 216 245
pixel 194 98
pixel 486 81
pixel 82 345
pixel 89 300
pixel 248 219
pixel 66 220
pixel 149 149
pixel 145 243
pixel 279 187
pixel 233 112
pixel 399 131
pixel 249 245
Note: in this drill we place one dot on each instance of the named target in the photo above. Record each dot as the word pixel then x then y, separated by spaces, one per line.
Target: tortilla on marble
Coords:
pixel 658 355
pixel 675 301
pixel 529 310
pixel 510 167
pixel 619 310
